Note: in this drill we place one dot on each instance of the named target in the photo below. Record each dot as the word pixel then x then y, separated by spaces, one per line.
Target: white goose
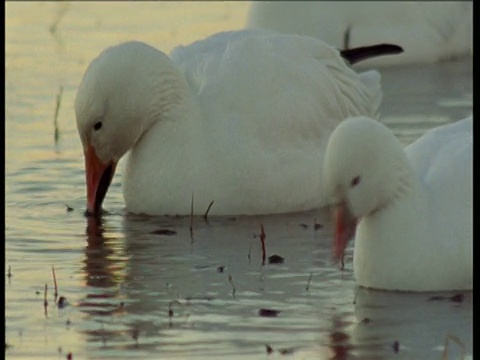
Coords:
pixel 240 118
pixel 427 31
pixel 412 209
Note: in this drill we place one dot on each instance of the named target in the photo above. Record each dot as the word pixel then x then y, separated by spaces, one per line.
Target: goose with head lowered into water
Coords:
pixel 412 208
pixel 240 118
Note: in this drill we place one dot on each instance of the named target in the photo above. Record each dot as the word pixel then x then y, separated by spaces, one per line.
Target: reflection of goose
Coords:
pixel 417 322
pixel 428 31
pixel 148 272
pixel 152 273
pixel 414 206
pixel 402 325
pixel 103 273
pixel 240 118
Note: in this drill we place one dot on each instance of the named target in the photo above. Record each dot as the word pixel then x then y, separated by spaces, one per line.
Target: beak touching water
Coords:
pixel 98 177
pixel 345 224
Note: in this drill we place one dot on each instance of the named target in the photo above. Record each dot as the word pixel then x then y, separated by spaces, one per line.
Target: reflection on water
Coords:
pixel 143 287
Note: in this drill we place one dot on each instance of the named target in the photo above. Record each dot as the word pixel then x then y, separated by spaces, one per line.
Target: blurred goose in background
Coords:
pixel 412 207
pixel 241 118
pixel 427 31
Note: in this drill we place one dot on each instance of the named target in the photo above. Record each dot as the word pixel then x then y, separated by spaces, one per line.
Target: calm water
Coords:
pixel 133 293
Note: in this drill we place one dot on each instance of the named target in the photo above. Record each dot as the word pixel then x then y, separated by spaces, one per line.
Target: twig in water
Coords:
pixel 170 313
pixel 230 280
pixel 308 282
pixel 456 340
pixel 135 334
pixel 249 255
pixel 191 217
pixel 346 37
pixel 55 294
pixel 63 7
pixel 45 301
pixel 55 119
pixel 262 240
pixel 208 209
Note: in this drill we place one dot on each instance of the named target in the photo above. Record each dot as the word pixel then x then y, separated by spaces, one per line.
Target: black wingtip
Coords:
pixel 358 54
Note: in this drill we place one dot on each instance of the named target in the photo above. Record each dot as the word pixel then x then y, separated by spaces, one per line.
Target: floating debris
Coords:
pixel 316 225
pixel 62 302
pixel 165 232
pixel 286 351
pixel 457 298
pixel 276 259
pixel 396 347
pixel 268 312
pixel 305 226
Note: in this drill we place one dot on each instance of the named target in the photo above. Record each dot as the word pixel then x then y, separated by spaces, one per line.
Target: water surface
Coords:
pixel 135 292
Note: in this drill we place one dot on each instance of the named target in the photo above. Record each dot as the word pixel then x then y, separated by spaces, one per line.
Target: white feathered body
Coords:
pixel 427 31
pixel 253 130
pixel 423 240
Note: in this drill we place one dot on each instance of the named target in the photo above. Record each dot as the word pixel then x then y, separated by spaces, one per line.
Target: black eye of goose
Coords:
pixel 97 126
pixel 355 181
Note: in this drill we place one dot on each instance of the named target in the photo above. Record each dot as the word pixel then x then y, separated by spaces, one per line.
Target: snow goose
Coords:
pixel 427 31
pixel 240 118
pixel 412 207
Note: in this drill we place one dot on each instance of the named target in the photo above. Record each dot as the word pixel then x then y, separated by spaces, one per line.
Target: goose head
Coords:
pixel 362 173
pixel 123 92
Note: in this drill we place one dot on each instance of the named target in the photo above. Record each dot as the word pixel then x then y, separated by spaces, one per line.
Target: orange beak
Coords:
pixel 98 177
pixel 345 225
